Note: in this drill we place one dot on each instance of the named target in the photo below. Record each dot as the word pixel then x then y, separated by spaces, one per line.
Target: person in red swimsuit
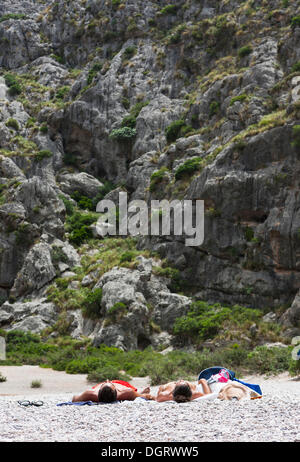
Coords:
pixel 110 391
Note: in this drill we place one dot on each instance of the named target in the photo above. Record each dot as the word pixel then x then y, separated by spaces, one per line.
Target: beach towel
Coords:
pixel 253 387
pixel 207 373
pixel 84 403
pixel 121 382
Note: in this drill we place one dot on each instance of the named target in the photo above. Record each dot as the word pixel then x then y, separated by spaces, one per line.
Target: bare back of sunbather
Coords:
pixel 123 392
pixel 166 391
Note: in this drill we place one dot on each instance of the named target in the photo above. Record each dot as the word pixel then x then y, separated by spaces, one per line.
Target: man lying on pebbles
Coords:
pixel 110 391
pixel 182 391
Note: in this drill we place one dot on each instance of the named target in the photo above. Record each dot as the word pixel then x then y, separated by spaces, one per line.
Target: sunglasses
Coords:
pixel 31 403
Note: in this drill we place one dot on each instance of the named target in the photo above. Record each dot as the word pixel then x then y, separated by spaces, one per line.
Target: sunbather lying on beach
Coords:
pixel 237 391
pixel 182 391
pixel 110 391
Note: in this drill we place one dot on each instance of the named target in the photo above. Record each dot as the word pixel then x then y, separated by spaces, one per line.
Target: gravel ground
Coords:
pixel 274 418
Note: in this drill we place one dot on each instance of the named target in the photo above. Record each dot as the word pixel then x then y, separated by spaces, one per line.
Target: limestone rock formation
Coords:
pixel 184 100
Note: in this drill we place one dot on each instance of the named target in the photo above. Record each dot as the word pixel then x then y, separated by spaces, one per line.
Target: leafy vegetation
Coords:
pixel 78 226
pixel 177 129
pixel 13 84
pixel 78 356
pixel 129 52
pixel 123 134
pixel 188 167
pixel 204 321
pixel 117 311
pixel 83 202
pixel 295 22
pixel 92 304
pixel 36 384
pixel 130 120
pixel 43 154
pixel 296 136
pixel 214 108
pixel 93 72
pixel 157 177
pixel 12 123
pixel 169 9
pixel 245 51
pixel 240 98
pixel 5 17
pixel 62 92
pixel 296 67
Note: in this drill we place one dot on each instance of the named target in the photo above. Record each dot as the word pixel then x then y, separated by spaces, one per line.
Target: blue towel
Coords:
pixel 250 385
pixel 83 403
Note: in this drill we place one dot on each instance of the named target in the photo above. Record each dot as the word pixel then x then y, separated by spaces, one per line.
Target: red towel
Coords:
pixel 121 382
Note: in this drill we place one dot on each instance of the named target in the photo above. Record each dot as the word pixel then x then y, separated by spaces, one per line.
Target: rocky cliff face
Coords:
pixel 191 99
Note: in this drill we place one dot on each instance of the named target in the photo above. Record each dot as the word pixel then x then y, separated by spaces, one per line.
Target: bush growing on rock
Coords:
pixel 129 52
pixel 190 166
pixel 13 84
pixel 157 177
pixel 117 311
pixel 78 225
pixel 296 67
pixel 245 51
pixel 93 72
pixel 62 92
pixel 123 134
pixel 296 136
pixel 130 120
pixel 44 154
pixel 239 98
pixel 92 304
pixel 169 9
pixel 214 108
pixel 295 22
pixel 83 202
pixel 12 123
pixel 174 130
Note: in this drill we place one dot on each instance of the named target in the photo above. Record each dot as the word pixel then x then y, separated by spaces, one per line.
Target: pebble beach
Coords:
pixel 274 418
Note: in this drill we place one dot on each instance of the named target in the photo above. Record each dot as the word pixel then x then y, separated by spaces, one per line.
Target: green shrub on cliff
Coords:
pixel 175 130
pixel 15 16
pixel 13 84
pixel 295 22
pixel 188 167
pixel 78 225
pixel 123 134
pixel 169 9
pixel 296 136
pixel 245 51
pixel 157 177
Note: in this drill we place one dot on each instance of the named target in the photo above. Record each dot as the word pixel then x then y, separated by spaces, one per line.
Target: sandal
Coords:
pixel 27 403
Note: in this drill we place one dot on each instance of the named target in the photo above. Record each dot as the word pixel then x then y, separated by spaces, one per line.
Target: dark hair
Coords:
pixel 182 393
pixel 107 394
